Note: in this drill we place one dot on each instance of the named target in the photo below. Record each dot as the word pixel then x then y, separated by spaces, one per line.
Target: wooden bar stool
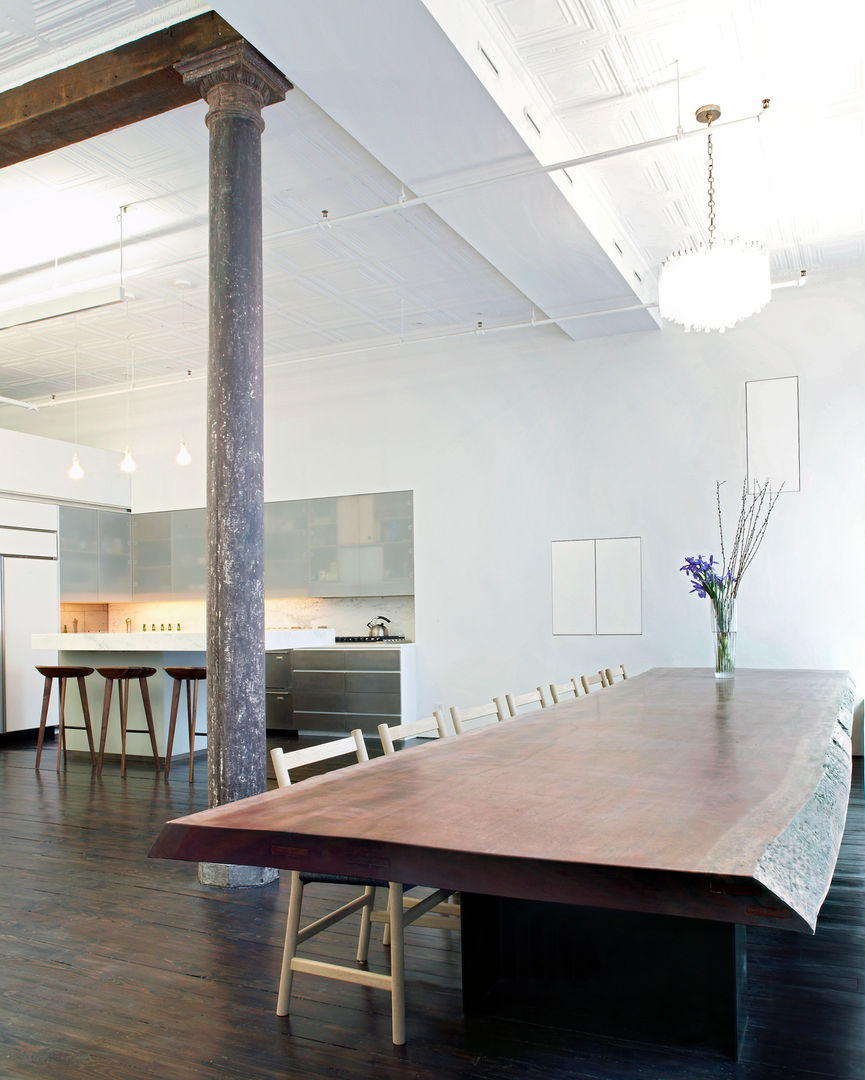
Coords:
pixel 123 676
pixel 62 674
pixel 189 677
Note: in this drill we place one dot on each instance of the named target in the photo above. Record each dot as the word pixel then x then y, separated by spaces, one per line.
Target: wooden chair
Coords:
pixel 491 712
pixel 563 691
pixel 411 730
pixel 395 917
pixel 444 915
pixel 615 673
pixel 535 697
pixel 588 681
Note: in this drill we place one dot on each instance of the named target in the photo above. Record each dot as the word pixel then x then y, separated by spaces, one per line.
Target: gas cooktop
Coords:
pixel 371 640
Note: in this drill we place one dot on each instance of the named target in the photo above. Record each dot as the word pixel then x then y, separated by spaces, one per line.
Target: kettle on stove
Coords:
pixel 377 629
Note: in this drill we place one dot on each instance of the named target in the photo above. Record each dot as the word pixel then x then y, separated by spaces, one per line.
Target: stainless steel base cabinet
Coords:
pixel 332 690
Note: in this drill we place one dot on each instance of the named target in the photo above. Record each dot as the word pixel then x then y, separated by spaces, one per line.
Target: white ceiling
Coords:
pixel 402 97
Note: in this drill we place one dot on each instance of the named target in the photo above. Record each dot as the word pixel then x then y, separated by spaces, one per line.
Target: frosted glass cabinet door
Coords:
pixel 189 553
pixel 151 556
pixel 286 548
pixel 79 554
pixel 115 557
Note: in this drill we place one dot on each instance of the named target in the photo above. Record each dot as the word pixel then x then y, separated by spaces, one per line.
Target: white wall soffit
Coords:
pixel 34 466
pixel 385 71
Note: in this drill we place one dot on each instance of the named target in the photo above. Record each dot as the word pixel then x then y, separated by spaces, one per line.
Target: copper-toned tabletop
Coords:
pixel 667 793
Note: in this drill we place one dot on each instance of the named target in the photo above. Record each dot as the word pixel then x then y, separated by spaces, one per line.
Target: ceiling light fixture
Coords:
pixel 75 472
pixel 714 286
pixel 183 455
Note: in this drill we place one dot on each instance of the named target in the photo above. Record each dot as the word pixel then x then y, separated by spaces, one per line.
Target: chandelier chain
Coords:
pixel 711 193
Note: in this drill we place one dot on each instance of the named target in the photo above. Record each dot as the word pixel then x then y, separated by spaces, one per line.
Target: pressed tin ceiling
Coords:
pixel 397 97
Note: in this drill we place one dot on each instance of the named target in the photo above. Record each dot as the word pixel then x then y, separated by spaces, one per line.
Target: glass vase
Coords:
pixel 724 637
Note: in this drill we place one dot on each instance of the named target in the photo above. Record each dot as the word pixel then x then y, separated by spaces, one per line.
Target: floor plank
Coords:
pixel 113 965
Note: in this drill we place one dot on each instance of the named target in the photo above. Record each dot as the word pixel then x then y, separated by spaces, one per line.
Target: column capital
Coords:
pixel 234 80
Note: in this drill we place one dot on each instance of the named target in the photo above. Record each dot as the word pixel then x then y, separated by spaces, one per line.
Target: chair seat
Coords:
pixel 186 672
pixel 64 672
pixel 126 672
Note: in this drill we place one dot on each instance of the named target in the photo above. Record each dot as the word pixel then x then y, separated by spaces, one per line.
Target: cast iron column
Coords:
pixel 237 82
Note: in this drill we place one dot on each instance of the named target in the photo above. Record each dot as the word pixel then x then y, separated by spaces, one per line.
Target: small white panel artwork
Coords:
pixel 772 419
pixel 597 586
pixel 573 586
pixel 618 586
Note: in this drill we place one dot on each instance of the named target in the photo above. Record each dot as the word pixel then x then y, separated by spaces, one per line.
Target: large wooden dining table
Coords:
pixel 610 850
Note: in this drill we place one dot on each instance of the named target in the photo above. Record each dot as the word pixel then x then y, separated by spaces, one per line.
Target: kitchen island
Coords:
pixel 157 649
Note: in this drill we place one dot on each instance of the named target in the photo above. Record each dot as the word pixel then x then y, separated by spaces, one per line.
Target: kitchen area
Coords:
pixel 124 589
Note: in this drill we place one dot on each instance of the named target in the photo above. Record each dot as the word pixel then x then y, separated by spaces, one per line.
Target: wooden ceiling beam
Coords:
pixel 116 88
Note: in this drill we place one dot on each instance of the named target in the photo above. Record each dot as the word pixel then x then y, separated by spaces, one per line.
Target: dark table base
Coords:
pixel 653 978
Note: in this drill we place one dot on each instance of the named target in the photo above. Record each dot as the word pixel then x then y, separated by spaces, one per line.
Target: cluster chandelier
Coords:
pixel 713 286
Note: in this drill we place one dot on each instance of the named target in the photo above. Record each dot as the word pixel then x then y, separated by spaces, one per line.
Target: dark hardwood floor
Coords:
pixel 116 966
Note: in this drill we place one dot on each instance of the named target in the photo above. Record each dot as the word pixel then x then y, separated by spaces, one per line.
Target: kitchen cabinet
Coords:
pixel 362 545
pixel 29 593
pixel 286 548
pixel 189 554
pixel 95 555
pixel 151 556
pixel 333 690
pixel 347 545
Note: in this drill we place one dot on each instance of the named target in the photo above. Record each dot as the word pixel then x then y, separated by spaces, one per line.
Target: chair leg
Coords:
pixel 292 926
pixel 85 708
pixel 123 701
pixel 397 962
pixel 46 694
pixel 365 925
pixel 61 733
pixel 106 708
pixel 191 710
pixel 148 712
pixel 175 702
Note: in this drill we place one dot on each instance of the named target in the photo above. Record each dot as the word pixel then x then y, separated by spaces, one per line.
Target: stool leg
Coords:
pixel 175 702
pixel 106 706
pixel 148 712
pixel 85 708
pixel 61 734
pixel 191 693
pixel 123 701
pixel 46 694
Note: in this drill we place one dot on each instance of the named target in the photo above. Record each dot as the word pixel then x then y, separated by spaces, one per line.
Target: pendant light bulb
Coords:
pixel 127 465
pixel 183 455
pixel 75 472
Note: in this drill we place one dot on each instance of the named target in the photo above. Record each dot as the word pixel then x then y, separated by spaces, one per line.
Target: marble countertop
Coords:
pixel 172 641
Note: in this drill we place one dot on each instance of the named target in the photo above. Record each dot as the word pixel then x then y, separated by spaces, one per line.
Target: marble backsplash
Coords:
pixel 347 615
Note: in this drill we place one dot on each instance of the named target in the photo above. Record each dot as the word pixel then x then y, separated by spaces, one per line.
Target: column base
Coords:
pixel 227 876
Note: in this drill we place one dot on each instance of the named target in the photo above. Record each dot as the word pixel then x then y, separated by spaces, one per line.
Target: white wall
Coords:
pixel 512 440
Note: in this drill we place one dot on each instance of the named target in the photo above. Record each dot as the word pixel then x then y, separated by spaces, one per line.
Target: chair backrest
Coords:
pixel 491 712
pixel 535 697
pixel 425 726
pixel 588 681
pixel 615 673
pixel 562 691
pixel 284 761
